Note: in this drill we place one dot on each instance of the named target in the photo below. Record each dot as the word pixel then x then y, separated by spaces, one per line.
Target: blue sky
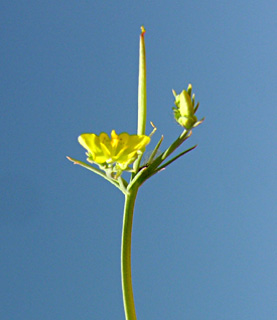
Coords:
pixel 204 237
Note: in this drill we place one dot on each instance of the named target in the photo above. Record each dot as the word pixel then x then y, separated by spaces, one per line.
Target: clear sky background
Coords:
pixel 204 237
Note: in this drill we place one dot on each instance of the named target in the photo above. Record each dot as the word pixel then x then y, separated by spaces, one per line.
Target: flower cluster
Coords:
pixel 114 155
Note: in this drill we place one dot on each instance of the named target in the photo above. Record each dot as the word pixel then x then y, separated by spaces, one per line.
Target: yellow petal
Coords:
pixel 105 144
pixel 91 143
pixel 134 144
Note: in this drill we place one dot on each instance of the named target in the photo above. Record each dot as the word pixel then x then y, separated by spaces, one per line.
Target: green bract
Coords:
pixel 122 149
pixel 184 112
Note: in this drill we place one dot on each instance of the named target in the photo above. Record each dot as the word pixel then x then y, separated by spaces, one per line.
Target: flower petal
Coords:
pixel 105 143
pixel 91 143
pixel 134 145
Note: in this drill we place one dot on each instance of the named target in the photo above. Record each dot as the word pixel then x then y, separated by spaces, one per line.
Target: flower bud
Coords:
pixel 184 110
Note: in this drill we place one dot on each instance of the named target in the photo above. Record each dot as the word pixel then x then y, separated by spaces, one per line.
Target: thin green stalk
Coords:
pixel 142 101
pixel 142 86
pixel 126 276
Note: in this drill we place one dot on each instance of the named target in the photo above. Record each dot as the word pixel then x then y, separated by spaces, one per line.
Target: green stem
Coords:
pixel 126 276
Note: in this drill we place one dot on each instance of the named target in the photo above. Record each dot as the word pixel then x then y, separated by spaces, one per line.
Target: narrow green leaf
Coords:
pixel 175 158
pixel 153 154
pixel 100 173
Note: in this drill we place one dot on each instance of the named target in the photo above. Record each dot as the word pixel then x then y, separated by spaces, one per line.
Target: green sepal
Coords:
pixel 189 90
pixel 187 122
pixel 198 123
pixel 196 107
pixel 104 175
pixel 153 154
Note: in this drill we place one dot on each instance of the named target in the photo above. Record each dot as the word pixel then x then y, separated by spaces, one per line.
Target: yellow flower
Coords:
pixel 122 149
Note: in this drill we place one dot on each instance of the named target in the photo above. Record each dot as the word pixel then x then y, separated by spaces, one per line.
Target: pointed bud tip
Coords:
pixel 142 30
pixel 70 159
